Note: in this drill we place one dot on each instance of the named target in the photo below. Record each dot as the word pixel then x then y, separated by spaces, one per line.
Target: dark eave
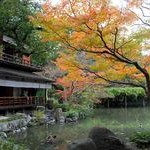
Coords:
pixel 17 75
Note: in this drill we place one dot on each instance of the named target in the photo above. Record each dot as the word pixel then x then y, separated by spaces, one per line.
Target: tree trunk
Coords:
pixel 1 38
pixel 148 88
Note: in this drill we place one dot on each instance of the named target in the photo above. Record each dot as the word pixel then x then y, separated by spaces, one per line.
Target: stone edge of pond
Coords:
pixel 16 124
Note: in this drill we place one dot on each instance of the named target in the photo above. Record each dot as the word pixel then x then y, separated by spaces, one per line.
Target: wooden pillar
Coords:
pixel 144 102
pixel 45 97
pixel 125 101
pixel 1 38
pixel 108 103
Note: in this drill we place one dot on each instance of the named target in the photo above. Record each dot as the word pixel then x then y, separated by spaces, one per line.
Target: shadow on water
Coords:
pixel 124 122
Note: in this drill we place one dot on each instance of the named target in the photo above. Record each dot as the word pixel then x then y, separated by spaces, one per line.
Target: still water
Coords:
pixel 124 122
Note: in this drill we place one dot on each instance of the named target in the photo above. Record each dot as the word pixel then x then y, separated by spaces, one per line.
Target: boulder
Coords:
pixel 82 144
pixel 59 115
pixel 74 119
pixel 51 139
pixel 68 120
pixel 3 135
pixel 71 120
pixel 51 120
pixel 61 119
pixel 104 139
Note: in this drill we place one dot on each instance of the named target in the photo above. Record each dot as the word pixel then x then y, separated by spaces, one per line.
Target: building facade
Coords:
pixel 19 81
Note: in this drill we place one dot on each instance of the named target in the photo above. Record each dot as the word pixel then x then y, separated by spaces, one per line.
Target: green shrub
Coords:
pixel 40 93
pixel 72 113
pixel 117 91
pixel 39 115
pixel 55 103
pixel 40 108
pixel 131 93
pixel 7 145
pixel 65 106
pixel 141 139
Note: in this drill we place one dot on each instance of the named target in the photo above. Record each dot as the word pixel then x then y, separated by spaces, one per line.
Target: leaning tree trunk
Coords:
pixel 148 89
pixel 147 77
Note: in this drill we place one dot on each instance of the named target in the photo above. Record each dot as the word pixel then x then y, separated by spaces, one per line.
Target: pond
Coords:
pixel 124 122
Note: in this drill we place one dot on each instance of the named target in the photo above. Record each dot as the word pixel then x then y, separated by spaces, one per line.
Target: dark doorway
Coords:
pixel 6 91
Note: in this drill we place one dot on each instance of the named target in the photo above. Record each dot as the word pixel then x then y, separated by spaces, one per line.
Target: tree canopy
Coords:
pixel 15 23
pixel 102 41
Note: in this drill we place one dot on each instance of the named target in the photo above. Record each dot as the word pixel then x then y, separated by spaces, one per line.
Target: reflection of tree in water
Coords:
pixel 113 119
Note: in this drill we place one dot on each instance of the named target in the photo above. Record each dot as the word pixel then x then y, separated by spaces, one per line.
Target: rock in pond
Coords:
pixel 51 139
pixel 51 121
pixel 104 139
pixel 71 120
pixel 59 115
pixel 82 144
pixel 3 135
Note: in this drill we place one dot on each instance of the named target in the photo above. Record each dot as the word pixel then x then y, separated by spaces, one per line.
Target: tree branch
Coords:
pixel 110 81
pixel 115 40
pixel 143 11
pixel 141 19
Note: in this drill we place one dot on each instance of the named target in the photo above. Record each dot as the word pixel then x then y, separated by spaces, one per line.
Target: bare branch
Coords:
pixel 124 44
pixel 115 40
pixel 88 27
pixel 72 8
pixel 143 11
pixel 111 81
pixel 141 19
pixel 103 40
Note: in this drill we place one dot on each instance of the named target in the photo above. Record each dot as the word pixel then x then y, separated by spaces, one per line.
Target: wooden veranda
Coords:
pixel 21 102
pixel 18 62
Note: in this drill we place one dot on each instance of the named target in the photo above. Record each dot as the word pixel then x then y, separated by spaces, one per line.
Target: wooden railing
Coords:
pixel 17 60
pixel 13 102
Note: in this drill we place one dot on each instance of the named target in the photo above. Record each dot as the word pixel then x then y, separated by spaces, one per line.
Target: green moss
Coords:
pixel 9 145
pixel 39 115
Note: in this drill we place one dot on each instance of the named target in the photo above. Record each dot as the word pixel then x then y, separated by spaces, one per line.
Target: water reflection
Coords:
pixel 122 121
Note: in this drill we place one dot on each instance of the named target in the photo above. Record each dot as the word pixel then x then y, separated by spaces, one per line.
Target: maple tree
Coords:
pixel 106 37
pixel 75 80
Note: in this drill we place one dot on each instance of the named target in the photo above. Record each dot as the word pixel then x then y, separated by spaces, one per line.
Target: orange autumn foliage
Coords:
pixel 104 32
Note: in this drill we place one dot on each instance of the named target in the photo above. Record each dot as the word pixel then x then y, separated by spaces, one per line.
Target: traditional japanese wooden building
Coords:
pixel 19 81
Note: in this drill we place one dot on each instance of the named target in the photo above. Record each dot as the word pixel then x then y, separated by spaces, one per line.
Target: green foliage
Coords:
pixel 81 103
pixel 46 50
pixel 14 18
pixel 40 92
pixel 55 103
pixel 7 145
pixel 52 94
pixel 141 139
pixel 85 98
pixel 128 91
pixel 15 22
pixel 65 106
pixel 39 115
pixel 72 113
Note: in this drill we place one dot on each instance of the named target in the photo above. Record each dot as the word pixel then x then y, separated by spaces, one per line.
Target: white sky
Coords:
pixel 120 2
pixel 41 1
pixel 55 1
